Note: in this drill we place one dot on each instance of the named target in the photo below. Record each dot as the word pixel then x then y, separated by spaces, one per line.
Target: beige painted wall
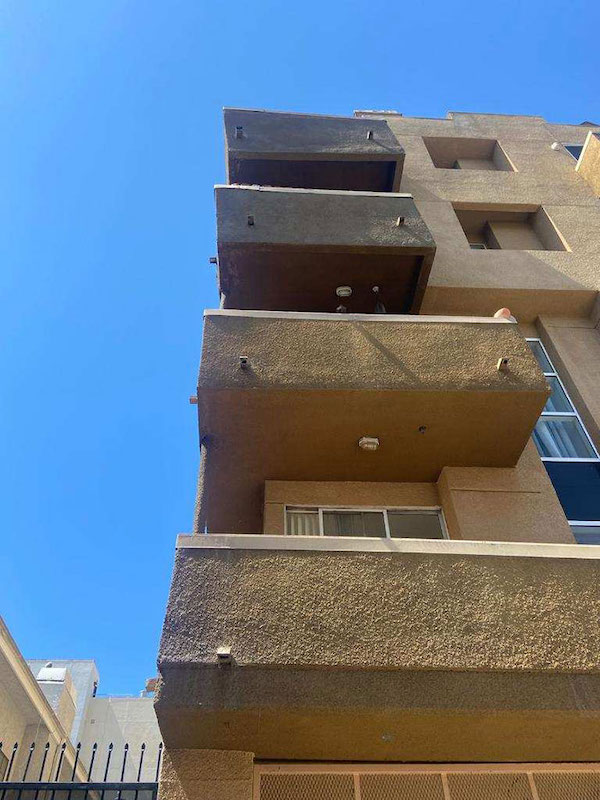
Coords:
pixel 278 494
pixel 122 720
pixel 545 177
pixel 574 347
pixel 206 775
pixel 487 504
pixel 589 164
pixel 514 505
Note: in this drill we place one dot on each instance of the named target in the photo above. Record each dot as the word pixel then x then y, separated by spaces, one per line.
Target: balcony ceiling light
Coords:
pixel 344 291
pixel 368 443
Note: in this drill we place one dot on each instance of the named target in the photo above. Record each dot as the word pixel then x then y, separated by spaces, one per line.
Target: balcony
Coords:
pixel 378 650
pixel 289 249
pixel 288 396
pixel 311 151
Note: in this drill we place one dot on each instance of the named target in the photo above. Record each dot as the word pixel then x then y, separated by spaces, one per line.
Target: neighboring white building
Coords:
pixel 70 686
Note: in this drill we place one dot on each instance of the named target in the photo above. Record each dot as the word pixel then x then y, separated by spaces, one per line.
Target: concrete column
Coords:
pixel 206 775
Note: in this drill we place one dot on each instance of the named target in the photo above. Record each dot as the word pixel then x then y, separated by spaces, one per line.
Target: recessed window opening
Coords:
pixel 570 457
pixel 491 228
pixel 394 523
pixel 461 152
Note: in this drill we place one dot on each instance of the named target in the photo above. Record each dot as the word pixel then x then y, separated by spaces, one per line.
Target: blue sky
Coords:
pixel 111 142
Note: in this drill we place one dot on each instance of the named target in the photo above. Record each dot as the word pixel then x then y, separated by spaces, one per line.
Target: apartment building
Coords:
pixel 392 589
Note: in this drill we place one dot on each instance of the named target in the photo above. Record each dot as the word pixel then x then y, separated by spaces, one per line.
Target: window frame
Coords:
pixel 429 510
pixel 478 245
pixel 572 414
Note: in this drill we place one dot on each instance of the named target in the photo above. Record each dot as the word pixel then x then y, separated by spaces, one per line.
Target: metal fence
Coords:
pixel 47 771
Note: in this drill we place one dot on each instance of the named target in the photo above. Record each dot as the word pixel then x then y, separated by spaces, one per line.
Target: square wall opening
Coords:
pixel 487 228
pixel 453 152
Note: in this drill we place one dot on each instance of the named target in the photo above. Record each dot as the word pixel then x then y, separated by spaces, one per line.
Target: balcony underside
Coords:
pixel 429 390
pixel 311 151
pixel 433 654
pixel 302 245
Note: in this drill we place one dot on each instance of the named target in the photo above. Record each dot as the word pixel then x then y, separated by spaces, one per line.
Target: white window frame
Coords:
pixel 431 510
pixel 574 413
pixel 585 524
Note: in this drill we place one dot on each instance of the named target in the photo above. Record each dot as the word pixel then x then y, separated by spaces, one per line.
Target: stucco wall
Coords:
pixel 499 505
pixel 574 347
pixel 396 609
pixel 523 280
pixel 383 715
pixel 589 164
pixel 122 720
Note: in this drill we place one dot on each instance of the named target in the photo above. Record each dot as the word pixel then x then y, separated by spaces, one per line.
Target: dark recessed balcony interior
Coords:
pixel 292 250
pixel 311 151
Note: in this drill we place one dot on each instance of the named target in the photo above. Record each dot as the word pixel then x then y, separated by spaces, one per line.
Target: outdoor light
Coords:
pixel 344 291
pixel 224 656
pixel 368 443
pixel 556 146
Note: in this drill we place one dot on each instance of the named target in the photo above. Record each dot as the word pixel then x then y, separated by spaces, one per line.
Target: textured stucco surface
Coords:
pixel 275 133
pixel 205 775
pixel 574 346
pixel 318 386
pixel 544 177
pixel 382 715
pixel 589 164
pixel 340 354
pixel 313 219
pixel 377 610
pixel 278 494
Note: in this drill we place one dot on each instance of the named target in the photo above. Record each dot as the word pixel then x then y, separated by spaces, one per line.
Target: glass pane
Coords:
pixel 586 534
pixel 353 523
pixel 540 356
pixel 561 437
pixel 574 150
pixel 414 525
pixel 578 488
pixel 302 523
pixel 558 400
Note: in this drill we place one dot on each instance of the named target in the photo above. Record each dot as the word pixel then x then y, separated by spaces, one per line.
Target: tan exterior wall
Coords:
pixel 518 505
pixel 514 505
pixel 574 347
pixel 206 775
pixel 278 494
pixel 526 280
pixel 13 722
pixel 589 163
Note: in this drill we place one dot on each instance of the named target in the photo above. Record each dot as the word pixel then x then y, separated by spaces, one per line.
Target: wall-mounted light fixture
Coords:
pixel 344 291
pixel 370 443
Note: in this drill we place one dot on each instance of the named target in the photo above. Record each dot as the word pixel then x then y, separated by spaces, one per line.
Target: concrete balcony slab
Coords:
pixel 311 151
pixel 310 386
pixel 289 249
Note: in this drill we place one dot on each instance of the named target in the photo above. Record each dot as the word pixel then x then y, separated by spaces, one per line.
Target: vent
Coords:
pixel 568 785
pixel 507 786
pixel 401 787
pixel 292 786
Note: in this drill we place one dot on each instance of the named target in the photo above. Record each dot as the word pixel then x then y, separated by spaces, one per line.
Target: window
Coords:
pixel 570 458
pixel 400 523
pixel 573 150
pixel 477 245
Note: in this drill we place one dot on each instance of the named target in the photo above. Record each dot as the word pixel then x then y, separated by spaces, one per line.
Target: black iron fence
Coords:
pixel 47 771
